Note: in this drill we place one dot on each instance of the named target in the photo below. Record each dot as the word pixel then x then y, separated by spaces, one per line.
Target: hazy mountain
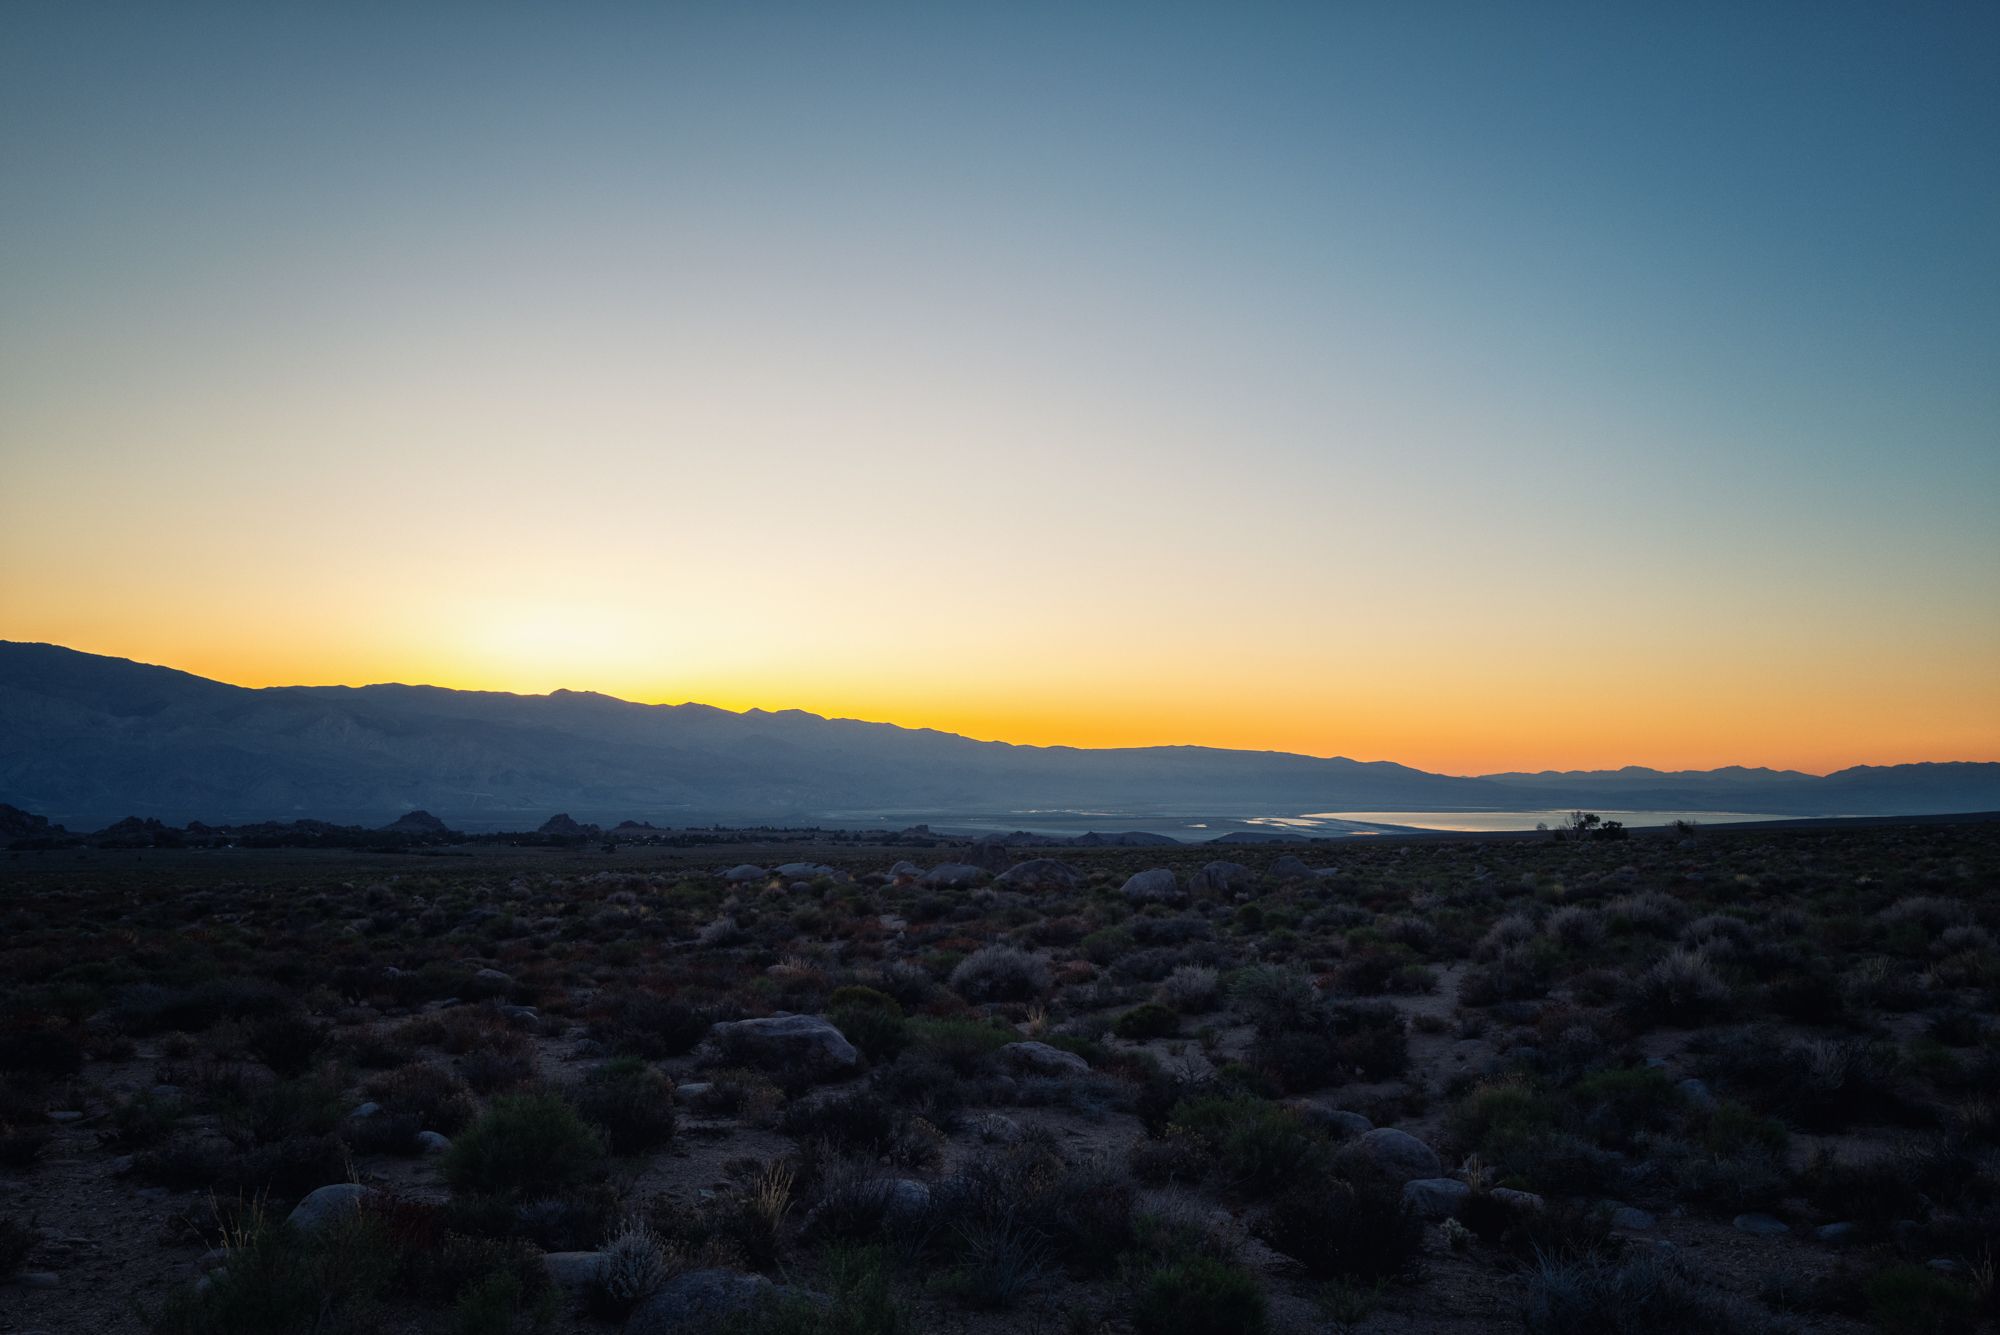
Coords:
pixel 85 740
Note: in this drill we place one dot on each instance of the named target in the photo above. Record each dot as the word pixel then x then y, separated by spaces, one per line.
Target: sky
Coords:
pixel 1477 386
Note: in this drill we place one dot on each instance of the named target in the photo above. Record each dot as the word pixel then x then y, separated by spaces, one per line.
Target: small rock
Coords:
pixel 1435 1197
pixel 1518 1200
pixel 493 978
pixel 37 1279
pixel 213 1258
pixel 1632 1219
pixel 692 1090
pixel 1838 1235
pixel 1044 1060
pixel 433 1142
pixel 1761 1225
pixel 366 1110
pixel 66 1115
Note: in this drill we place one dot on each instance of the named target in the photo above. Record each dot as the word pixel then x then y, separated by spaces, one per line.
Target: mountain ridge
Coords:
pixel 87 739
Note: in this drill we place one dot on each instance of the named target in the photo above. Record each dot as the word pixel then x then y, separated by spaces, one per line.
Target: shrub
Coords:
pixel 439 1099
pixel 1335 1228
pixel 286 1043
pixel 632 1101
pixel 854 1120
pixel 1001 973
pixel 1198 1295
pixel 1915 1300
pixel 1682 987
pixel 524 1144
pixel 634 1265
pixel 16 1241
pixel 1150 1020
pixel 1636 1297
pixel 1191 989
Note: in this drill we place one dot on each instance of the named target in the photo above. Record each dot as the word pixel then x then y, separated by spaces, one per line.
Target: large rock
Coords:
pixel 703 1300
pixel 952 876
pixel 1290 868
pixel 1222 878
pixel 1435 1197
pixel 905 871
pixel 1158 883
pixel 1040 874
pixel 1041 1059
pixel 804 871
pixel 1399 1154
pixel 1339 1121
pixel 574 1270
pixel 328 1205
pixel 744 872
pixel 796 1041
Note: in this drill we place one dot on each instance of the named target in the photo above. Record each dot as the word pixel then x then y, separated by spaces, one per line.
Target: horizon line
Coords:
pixel 1000 741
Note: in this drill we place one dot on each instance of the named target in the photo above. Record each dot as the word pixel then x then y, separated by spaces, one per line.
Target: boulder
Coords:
pixel 1039 874
pixel 1339 1121
pixel 1761 1225
pixel 1041 1059
pixel 745 871
pixel 804 871
pixel 1399 1154
pixel 1290 868
pixel 1435 1197
pixel 703 1300
pixel 797 1041
pixel 952 876
pixel 574 1270
pixel 905 871
pixel 328 1204
pixel 1157 883
pixel 1221 878
pixel 433 1142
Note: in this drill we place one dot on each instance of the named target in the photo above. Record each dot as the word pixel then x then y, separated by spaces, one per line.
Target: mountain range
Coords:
pixel 86 739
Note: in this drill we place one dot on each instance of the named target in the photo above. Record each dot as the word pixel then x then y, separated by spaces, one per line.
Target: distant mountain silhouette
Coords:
pixel 85 740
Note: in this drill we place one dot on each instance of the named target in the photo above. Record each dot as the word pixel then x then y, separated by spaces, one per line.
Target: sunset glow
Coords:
pixel 1035 376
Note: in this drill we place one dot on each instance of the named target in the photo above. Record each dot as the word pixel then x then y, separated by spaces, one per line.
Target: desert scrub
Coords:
pixel 1001 973
pixel 631 1101
pixel 1191 989
pixel 16 1241
pixel 434 1094
pixel 1150 1020
pixel 1682 987
pixel 1348 1229
pixel 635 1264
pixel 871 1020
pixel 523 1145
pixel 1641 1296
pixel 1196 1295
